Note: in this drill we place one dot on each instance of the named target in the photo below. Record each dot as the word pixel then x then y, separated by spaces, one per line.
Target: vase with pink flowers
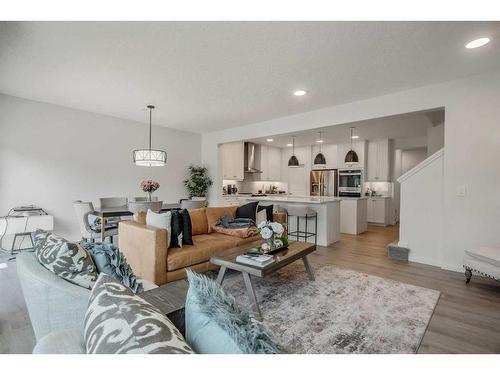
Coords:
pixel 149 186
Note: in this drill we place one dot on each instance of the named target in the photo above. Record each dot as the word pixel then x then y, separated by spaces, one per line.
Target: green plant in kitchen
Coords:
pixel 198 182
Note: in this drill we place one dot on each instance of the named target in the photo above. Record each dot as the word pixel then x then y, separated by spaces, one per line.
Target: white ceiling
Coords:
pixel 205 76
pixel 406 126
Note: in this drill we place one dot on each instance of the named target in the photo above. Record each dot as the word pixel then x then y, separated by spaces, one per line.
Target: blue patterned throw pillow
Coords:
pixel 119 322
pixel 216 325
pixel 109 260
pixel 65 259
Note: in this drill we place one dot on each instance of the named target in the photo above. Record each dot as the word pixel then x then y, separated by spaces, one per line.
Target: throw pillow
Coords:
pixel 199 221
pixel 117 321
pixel 214 214
pixel 161 220
pixel 247 211
pixel 269 211
pixel 176 229
pixel 187 230
pixel 109 260
pixel 215 324
pixel 65 259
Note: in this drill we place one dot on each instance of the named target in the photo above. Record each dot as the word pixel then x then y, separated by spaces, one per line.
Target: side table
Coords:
pixel 169 299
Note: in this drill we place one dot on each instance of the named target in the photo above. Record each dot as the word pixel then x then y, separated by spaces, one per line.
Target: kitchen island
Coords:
pixel 327 208
pixel 353 215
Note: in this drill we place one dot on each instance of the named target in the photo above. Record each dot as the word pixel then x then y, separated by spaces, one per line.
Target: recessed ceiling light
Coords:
pixel 476 43
pixel 299 92
pixel 269 139
pixel 355 137
pixel 319 141
pixel 289 144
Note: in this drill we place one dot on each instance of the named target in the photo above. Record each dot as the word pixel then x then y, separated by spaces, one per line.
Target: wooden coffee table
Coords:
pixel 227 260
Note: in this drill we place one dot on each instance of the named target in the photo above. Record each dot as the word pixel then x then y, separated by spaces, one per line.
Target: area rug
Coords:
pixel 342 311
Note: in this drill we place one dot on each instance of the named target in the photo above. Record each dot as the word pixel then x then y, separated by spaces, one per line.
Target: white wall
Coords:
pixel 435 139
pixel 472 138
pixel 421 216
pixel 410 158
pixel 51 156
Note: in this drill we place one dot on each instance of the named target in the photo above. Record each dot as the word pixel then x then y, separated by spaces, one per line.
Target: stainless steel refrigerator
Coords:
pixel 324 182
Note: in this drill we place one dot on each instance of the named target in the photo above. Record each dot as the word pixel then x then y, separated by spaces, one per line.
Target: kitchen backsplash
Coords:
pixel 383 188
pixel 255 186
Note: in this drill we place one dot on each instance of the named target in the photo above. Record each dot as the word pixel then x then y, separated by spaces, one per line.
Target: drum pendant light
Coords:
pixel 351 156
pixel 293 162
pixel 320 159
pixel 148 157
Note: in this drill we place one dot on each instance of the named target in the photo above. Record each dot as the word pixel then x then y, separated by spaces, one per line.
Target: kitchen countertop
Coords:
pixel 351 198
pixel 296 199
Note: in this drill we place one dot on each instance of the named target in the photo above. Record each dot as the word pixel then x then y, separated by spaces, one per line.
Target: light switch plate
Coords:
pixel 461 191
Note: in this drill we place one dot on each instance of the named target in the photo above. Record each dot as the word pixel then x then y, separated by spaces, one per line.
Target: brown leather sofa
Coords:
pixel 148 254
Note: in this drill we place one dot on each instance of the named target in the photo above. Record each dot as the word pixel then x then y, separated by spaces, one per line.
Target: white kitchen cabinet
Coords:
pixel 270 163
pixel 232 159
pixel 378 163
pixel 274 164
pixel 331 155
pixel 296 178
pixel 232 200
pixel 344 148
pixel 378 210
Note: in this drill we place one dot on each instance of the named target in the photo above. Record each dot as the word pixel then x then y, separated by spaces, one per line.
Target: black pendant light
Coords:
pixel 351 156
pixel 293 162
pixel 148 157
pixel 320 158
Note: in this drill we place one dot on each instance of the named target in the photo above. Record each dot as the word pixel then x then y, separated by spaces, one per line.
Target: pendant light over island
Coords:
pixel 293 162
pixel 351 156
pixel 320 159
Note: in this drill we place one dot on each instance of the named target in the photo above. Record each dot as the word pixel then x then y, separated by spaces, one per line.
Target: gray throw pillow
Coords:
pixel 109 260
pixel 119 322
pixel 65 259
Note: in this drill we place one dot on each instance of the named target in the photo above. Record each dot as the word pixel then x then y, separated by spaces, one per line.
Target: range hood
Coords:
pixel 252 158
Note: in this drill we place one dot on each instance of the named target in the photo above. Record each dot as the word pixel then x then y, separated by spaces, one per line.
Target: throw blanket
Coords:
pixel 228 222
pixel 236 232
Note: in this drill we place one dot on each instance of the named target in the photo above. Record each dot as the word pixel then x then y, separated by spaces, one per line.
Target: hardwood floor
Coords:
pixel 466 318
pixel 16 334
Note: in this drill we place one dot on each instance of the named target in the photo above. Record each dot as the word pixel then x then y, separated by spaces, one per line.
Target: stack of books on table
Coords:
pixel 256 260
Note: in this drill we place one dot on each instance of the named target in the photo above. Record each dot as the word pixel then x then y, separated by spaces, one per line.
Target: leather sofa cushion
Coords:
pixel 244 241
pixel 199 223
pixel 205 245
pixel 215 213
pixel 140 217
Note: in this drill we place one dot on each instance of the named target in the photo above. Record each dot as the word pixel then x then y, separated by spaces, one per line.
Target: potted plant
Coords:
pixel 149 186
pixel 198 182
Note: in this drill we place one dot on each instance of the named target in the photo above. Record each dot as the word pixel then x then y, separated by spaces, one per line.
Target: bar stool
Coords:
pixel 303 212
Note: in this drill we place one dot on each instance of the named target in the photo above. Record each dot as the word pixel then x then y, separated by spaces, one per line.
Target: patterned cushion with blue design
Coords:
pixel 119 322
pixel 65 259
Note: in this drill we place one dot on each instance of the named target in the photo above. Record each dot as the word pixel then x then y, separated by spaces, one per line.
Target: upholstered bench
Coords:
pixel 482 260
